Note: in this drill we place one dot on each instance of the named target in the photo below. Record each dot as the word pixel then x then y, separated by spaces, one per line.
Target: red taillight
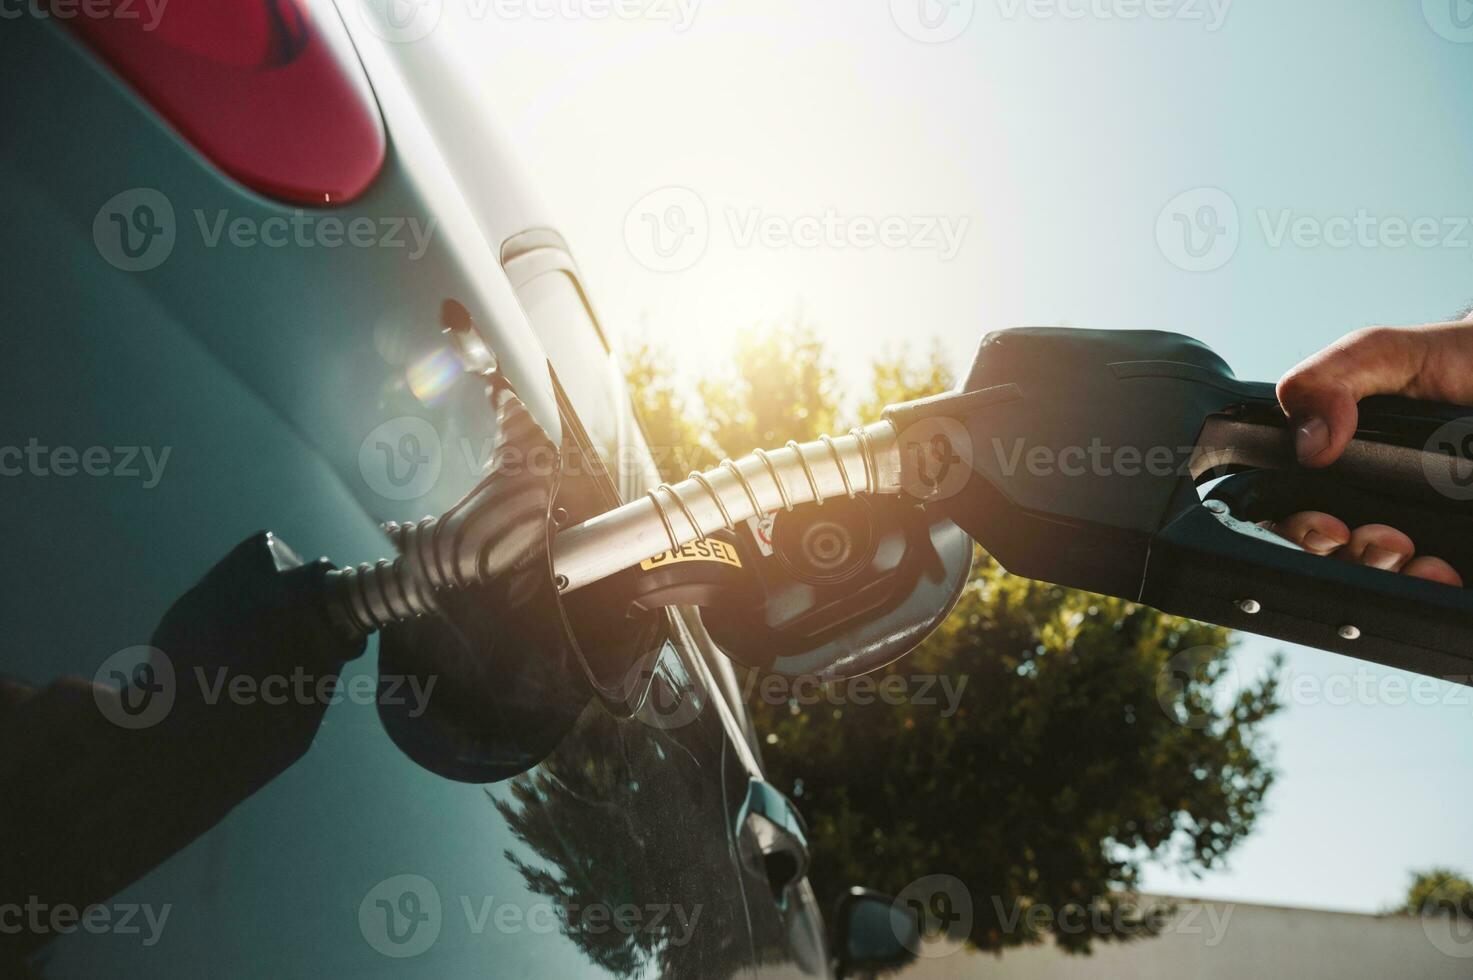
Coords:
pixel 269 90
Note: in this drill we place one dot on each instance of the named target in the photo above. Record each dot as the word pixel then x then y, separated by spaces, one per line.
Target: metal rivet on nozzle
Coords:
pixel 1249 606
pixel 1348 632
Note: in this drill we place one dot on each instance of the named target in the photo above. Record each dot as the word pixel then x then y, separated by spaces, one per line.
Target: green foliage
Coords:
pixel 781 387
pixel 1089 735
pixel 676 440
pixel 1440 891
pixel 896 378
pixel 1059 771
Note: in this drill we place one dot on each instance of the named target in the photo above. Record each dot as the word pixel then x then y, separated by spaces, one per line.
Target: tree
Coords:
pixel 1439 891
pixel 1090 735
pixel 782 388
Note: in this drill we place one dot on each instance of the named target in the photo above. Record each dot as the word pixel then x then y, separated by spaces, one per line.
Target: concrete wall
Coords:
pixel 1213 940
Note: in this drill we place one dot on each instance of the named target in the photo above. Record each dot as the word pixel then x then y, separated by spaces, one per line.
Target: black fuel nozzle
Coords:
pixel 1083 456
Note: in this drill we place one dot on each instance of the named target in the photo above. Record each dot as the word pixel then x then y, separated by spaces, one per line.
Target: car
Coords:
pixel 257 255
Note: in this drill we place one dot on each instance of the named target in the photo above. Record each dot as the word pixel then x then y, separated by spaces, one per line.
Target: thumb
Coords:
pixel 1319 395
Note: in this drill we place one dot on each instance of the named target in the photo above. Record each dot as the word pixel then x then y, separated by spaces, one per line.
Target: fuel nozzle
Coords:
pixel 473 542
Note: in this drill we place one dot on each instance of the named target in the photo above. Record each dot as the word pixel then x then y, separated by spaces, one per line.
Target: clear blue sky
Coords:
pixel 1059 139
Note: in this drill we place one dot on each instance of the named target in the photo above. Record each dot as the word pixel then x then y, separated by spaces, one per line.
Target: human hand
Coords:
pixel 1433 362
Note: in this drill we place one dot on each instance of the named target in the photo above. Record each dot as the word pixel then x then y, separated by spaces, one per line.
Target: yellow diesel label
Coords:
pixel 708 550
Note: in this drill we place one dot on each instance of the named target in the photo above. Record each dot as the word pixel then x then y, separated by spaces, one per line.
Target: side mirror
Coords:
pixel 872 935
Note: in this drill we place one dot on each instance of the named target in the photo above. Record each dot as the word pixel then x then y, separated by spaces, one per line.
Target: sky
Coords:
pixel 1263 175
